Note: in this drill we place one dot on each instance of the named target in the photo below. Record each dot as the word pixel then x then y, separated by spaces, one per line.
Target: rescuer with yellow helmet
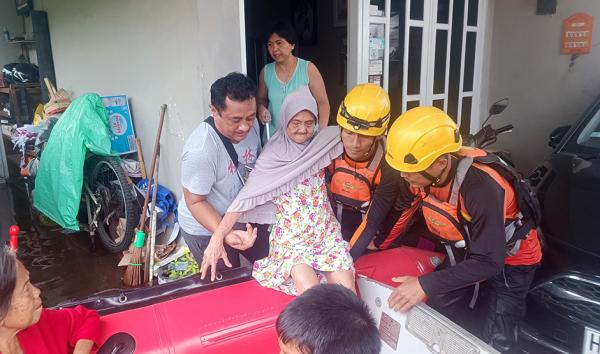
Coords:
pixel 469 199
pixel 363 115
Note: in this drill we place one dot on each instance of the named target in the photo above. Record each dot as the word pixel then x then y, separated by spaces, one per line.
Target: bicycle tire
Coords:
pixel 107 165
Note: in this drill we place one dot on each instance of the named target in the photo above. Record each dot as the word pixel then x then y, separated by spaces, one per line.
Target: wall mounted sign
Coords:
pixel 577 34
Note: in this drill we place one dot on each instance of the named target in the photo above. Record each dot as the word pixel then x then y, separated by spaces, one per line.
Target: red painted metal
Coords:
pixel 239 318
pixel 13 231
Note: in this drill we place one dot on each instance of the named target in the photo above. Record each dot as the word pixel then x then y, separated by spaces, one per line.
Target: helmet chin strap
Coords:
pixel 435 181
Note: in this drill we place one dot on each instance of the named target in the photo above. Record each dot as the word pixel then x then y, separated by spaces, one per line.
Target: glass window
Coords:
pixel 415 46
pixel 438 104
pixel 439 76
pixel 396 58
pixel 443 11
pixel 587 138
pixel 465 119
pixel 473 9
pixel 412 104
pixel 455 56
pixel 417 9
pixel 377 8
pixel 376 52
pixel 469 61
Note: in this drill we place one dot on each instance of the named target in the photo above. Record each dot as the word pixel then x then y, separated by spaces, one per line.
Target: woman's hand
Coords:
pixel 242 239
pixel 212 254
pixel 263 114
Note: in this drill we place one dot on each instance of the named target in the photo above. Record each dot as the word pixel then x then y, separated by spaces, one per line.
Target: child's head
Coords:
pixel 327 319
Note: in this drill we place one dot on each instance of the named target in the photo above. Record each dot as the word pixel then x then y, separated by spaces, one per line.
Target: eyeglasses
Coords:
pixel 361 124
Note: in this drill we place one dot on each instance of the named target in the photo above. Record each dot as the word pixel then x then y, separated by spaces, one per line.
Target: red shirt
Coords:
pixel 58 331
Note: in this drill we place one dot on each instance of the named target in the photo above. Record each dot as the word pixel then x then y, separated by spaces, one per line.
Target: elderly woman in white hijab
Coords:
pixel 287 189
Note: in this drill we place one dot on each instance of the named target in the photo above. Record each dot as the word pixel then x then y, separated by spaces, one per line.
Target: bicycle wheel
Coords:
pixel 119 214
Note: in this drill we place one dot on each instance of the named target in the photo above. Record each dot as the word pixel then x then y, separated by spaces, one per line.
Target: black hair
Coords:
pixel 329 319
pixel 8 279
pixel 284 30
pixel 235 86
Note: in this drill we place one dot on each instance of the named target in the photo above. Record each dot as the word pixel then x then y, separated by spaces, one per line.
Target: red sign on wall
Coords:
pixel 577 34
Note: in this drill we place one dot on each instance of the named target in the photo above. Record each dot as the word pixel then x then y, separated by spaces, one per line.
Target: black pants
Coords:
pixel 198 244
pixel 499 309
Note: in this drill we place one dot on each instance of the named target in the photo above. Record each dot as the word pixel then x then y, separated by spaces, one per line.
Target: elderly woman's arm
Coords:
pixel 317 89
pixel 216 249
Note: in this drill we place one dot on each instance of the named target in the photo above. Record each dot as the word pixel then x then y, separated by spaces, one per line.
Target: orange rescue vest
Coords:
pixel 353 185
pixel 445 213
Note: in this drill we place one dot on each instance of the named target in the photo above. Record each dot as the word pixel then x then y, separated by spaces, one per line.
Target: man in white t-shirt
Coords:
pixel 215 160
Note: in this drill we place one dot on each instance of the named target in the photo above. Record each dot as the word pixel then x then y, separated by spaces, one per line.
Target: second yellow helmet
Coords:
pixel 418 137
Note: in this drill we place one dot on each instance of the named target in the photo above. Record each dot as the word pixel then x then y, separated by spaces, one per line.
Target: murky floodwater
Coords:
pixel 63 266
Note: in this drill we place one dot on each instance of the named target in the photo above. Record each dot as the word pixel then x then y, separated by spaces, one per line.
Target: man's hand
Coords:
pixel 212 254
pixel 372 246
pixel 242 239
pixel 407 294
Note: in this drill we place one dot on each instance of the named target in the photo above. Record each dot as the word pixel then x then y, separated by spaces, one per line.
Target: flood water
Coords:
pixel 63 266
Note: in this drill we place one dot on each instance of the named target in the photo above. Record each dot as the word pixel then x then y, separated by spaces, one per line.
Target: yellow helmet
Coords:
pixel 418 137
pixel 365 110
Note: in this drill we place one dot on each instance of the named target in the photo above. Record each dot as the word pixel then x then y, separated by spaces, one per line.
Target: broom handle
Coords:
pixel 138 143
pixel 50 87
pixel 163 109
pixel 152 237
pixel 148 261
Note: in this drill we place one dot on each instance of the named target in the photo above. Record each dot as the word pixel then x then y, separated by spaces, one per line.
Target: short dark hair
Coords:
pixel 329 319
pixel 284 30
pixel 235 86
pixel 8 279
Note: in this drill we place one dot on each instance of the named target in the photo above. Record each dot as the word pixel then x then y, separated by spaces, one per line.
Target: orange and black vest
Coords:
pixel 353 183
pixel 445 213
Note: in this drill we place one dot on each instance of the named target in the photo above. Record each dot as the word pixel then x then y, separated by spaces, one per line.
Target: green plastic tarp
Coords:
pixel 82 127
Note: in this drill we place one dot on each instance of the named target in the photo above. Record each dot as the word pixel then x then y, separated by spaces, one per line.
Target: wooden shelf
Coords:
pixel 21 107
pixel 21 41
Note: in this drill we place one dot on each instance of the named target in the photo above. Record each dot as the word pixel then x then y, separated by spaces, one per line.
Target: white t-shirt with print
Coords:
pixel 207 169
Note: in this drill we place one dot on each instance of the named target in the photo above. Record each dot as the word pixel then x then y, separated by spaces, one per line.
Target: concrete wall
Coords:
pixel 154 52
pixel 545 91
pixel 14 24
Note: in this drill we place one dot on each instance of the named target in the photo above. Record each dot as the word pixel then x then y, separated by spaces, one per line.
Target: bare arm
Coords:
pixel 261 95
pixel 317 88
pixel 226 224
pixel 202 210
pixel 83 346
pixel 262 99
pixel 215 249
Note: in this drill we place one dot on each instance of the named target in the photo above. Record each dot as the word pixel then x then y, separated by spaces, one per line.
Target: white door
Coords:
pixel 424 52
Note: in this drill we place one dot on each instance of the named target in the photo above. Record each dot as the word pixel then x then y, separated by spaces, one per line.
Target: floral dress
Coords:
pixel 305 231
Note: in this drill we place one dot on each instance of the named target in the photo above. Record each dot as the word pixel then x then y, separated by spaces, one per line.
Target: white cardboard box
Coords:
pixel 419 331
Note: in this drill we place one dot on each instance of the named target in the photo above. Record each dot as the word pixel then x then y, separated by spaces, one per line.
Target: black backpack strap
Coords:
pixel 226 142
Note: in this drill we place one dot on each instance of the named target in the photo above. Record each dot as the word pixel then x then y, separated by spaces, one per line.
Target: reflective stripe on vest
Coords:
pixel 352 187
pixel 442 218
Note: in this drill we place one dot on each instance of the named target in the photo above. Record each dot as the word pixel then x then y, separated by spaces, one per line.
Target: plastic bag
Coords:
pixel 164 200
pixel 38 115
pixel 83 127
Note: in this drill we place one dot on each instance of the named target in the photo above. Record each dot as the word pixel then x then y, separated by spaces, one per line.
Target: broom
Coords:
pixel 133 274
pixel 149 258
